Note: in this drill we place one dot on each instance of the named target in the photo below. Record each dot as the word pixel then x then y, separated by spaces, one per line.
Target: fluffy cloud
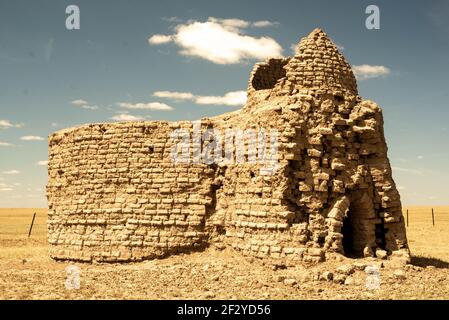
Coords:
pixel 5 144
pixel 233 98
pixel 174 95
pixel 42 163
pixel 160 39
pixel 32 138
pixel 220 41
pixel 146 106
pixel 84 104
pixel 264 23
pixel 5 189
pixel 11 172
pixel 6 124
pixel 127 117
pixel 366 71
pixel 79 102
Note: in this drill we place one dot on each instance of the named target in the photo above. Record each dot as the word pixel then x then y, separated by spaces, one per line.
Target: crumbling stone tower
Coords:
pixel 115 193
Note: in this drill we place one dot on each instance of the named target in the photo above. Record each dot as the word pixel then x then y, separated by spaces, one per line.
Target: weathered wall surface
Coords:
pixel 115 193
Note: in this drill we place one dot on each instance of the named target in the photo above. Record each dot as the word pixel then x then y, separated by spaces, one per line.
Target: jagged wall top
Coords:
pixel 317 65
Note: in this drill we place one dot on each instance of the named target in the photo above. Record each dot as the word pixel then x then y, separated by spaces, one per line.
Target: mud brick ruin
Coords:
pixel 116 195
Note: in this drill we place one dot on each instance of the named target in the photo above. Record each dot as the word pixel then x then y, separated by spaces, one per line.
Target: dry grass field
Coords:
pixel 27 272
pixel 426 240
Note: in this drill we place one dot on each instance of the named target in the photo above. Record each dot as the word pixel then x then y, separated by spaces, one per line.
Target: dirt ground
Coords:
pixel 27 272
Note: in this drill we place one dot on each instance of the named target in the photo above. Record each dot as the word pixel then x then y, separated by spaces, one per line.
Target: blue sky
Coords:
pixel 114 68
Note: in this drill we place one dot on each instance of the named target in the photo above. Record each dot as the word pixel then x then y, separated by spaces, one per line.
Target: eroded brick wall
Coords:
pixel 115 193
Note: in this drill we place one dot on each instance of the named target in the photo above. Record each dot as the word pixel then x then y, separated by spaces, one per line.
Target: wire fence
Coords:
pixel 431 216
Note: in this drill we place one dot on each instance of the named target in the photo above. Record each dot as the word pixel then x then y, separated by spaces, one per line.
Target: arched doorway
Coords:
pixel 361 226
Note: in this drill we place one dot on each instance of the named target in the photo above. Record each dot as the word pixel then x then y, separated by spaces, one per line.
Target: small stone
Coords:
pixel 346 269
pixel 381 254
pixel 215 278
pixel 359 266
pixel 279 278
pixel 368 252
pixel 339 278
pixel 327 276
pixel 349 281
pixel 290 282
pixel 399 274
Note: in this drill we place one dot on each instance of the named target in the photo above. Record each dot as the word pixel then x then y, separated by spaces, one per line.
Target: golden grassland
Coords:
pixel 27 272
pixel 425 240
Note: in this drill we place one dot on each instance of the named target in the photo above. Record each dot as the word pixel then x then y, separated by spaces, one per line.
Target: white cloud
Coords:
pixel 264 23
pixel 6 124
pixel 84 104
pixel 5 144
pixel 412 171
pixel 366 71
pixel 89 107
pixel 160 39
pixel 79 102
pixel 11 172
pixel 174 95
pixel 127 117
pixel 32 138
pixel 220 41
pixel 146 106
pixel 42 163
pixel 171 19
pixel 233 98
pixel 231 24
pixel 294 48
pixel 5 189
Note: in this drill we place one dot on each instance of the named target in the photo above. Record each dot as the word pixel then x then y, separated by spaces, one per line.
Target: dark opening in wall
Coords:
pixel 380 231
pixel 339 98
pixel 220 230
pixel 266 75
pixel 348 236
pixel 321 241
pixel 353 235
pixel 150 149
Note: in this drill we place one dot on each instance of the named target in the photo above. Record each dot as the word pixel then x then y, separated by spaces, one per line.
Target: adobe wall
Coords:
pixel 115 193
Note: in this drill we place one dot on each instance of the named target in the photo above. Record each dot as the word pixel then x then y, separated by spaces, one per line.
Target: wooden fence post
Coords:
pixel 32 223
pixel 433 218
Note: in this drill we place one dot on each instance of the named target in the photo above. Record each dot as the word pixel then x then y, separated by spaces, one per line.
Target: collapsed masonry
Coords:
pixel 115 194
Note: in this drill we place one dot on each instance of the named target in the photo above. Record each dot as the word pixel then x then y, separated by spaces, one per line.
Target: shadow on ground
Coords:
pixel 426 261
